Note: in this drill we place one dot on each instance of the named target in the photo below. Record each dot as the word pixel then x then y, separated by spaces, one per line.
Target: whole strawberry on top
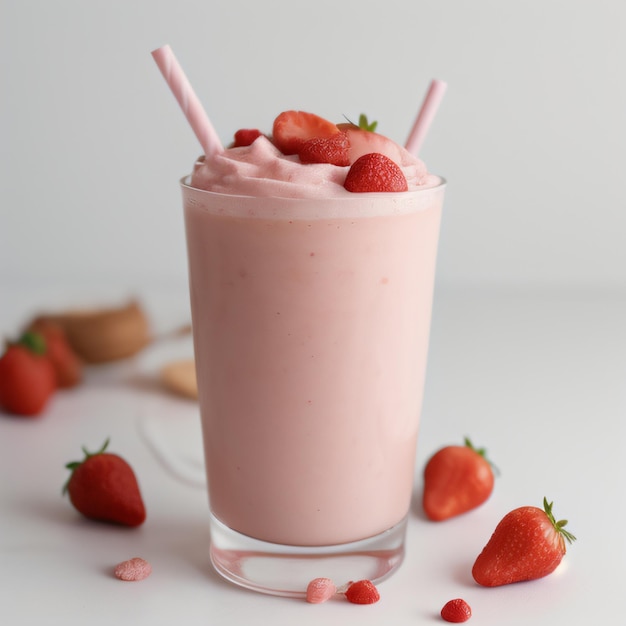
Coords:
pixel 27 377
pixel 103 487
pixel 527 544
pixel 457 479
pixel 375 172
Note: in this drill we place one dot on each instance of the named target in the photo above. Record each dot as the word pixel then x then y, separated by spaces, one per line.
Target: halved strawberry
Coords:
pixel 375 172
pixel 292 128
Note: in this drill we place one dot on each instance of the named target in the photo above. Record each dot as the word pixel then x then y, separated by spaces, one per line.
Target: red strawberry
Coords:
pixel 457 479
pixel 67 366
pixel 375 172
pixel 103 487
pixel 456 611
pixel 332 150
pixel 27 378
pixel 292 128
pixel 527 544
pixel 362 592
pixel 245 137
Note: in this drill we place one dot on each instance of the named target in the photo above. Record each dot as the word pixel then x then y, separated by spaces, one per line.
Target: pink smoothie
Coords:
pixel 311 321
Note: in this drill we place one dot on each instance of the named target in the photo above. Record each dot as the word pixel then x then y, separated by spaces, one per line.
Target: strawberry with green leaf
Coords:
pixel 27 377
pixel 103 487
pixel 527 544
pixel 457 479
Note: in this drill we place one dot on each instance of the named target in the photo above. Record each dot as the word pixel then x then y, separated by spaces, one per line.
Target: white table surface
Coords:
pixel 537 378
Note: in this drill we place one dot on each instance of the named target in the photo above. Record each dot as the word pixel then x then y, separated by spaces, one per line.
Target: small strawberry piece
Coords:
pixel 245 137
pixel 292 128
pixel 456 611
pixel 133 570
pixel 67 366
pixel 103 487
pixel 333 150
pixel 527 544
pixel 27 378
pixel 375 173
pixel 457 479
pixel 362 592
pixel 319 590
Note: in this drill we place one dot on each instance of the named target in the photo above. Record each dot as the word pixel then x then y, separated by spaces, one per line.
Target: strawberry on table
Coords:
pixel 375 173
pixel 67 365
pixel 362 592
pixel 527 544
pixel 104 487
pixel 27 378
pixel 457 479
pixel 456 611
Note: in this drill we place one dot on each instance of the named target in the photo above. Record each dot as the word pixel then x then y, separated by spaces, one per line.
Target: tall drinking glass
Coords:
pixel 311 322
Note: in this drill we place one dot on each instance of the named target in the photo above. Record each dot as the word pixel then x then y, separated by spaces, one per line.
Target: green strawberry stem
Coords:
pixel 364 123
pixel 560 525
pixel 33 342
pixel 74 464
pixel 482 452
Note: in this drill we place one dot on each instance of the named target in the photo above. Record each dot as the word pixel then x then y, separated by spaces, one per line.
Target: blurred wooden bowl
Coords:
pixel 104 334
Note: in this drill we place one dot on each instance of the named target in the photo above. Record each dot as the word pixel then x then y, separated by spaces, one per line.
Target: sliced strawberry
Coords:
pixel 292 128
pixel 245 137
pixel 333 150
pixel 375 173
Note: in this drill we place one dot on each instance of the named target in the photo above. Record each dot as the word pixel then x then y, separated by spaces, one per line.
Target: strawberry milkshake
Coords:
pixel 311 268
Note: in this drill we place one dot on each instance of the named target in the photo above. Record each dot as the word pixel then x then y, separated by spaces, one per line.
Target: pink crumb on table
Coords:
pixel 133 569
pixel 319 590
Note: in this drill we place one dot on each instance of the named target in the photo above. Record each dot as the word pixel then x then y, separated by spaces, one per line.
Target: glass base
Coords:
pixel 282 570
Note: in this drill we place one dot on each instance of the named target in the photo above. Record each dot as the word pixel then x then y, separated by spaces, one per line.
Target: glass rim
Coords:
pixel 185 183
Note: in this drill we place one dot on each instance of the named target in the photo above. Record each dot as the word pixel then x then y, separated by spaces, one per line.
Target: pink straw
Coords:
pixel 425 116
pixel 188 101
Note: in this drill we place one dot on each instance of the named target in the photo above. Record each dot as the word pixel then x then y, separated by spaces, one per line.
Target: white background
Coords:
pixel 528 349
pixel 531 134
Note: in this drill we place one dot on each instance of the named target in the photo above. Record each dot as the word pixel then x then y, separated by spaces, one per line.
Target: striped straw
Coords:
pixel 425 116
pixel 188 101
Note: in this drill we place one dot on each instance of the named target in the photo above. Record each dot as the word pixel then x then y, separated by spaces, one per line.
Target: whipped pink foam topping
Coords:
pixel 260 169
